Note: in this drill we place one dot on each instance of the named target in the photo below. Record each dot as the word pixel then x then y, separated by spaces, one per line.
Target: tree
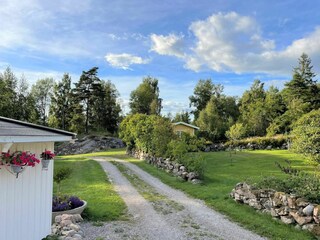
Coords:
pixel 8 85
pixel 60 108
pixel 303 86
pixel 183 116
pixel 145 99
pixel 306 132
pixel 236 132
pixel 41 92
pixel 217 117
pixel 253 113
pixel 86 91
pixel 202 94
pixel 106 109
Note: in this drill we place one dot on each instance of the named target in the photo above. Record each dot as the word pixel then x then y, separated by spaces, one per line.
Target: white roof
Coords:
pixel 186 124
pixel 17 131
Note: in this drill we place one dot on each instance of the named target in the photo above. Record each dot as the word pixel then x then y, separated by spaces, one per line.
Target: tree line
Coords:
pixel 90 104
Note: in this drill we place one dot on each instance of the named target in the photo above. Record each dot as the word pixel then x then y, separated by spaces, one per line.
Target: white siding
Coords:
pixel 25 202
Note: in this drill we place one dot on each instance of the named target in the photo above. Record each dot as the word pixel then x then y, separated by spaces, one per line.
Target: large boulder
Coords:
pixel 89 144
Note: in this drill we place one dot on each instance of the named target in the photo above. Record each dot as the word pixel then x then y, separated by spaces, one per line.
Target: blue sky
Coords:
pixel 177 41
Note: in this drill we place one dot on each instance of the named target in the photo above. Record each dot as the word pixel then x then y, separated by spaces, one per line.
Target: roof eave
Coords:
pixel 25 139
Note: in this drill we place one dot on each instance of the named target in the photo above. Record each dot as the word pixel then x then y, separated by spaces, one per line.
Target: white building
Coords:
pixel 26 201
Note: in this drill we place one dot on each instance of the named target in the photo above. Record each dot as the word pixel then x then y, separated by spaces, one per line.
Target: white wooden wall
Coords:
pixel 25 202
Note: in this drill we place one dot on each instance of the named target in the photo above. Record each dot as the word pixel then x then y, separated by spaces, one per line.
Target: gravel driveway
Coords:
pixel 192 219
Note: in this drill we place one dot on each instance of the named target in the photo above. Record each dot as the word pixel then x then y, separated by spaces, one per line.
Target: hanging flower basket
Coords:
pixel 18 161
pixel 46 157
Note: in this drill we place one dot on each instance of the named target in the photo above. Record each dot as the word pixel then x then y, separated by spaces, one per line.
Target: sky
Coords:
pixel 178 42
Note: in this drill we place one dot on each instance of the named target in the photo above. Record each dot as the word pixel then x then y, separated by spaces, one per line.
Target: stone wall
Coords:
pixel 167 165
pixel 290 209
pixel 66 228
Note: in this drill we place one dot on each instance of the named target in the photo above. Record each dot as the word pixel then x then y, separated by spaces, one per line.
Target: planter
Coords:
pixel 77 210
pixel 45 164
pixel 16 169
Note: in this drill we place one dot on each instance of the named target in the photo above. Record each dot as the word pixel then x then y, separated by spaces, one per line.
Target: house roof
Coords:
pixel 186 124
pixel 17 131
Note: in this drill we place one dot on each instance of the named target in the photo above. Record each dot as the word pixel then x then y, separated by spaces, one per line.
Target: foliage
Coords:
pixel 148 133
pixel 60 175
pixel 202 94
pixel 259 142
pixel 306 132
pixel 20 158
pixel 183 116
pixel 63 203
pixel 61 108
pixel 218 115
pixel 177 148
pixel 41 92
pixel 194 163
pixel 236 132
pixel 145 98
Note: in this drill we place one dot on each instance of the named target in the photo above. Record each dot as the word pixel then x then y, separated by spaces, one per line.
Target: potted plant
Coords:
pixel 19 160
pixel 46 157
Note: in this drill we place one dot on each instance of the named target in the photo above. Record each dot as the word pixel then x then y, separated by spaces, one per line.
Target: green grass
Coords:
pixel 220 177
pixel 89 182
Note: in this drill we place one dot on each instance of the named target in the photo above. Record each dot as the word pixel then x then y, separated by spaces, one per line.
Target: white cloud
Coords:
pixel 171 45
pixel 124 60
pixel 229 42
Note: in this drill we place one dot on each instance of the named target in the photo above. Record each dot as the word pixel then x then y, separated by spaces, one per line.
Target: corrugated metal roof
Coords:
pixel 11 127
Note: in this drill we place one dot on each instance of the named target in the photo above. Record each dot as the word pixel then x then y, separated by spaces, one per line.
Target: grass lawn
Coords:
pixel 222 174
pixel 89 182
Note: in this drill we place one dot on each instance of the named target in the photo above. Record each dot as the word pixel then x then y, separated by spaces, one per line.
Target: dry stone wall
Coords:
pixel 167 165
pixel 290 209
pixel 66 227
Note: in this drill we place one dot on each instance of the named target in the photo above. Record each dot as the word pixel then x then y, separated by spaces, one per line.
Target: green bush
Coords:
pixel 306 132
pixel 177 149
pixel 236 132
pixel 194 163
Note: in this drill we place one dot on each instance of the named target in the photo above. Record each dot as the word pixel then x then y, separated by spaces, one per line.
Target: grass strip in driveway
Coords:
pixel 89 182
pixel 159 202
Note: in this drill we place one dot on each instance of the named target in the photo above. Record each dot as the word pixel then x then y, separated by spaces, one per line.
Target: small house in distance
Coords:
pixel 26 201
pixel 180 127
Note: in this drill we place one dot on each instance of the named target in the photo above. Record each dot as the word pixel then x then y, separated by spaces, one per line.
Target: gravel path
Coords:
pixel 193 221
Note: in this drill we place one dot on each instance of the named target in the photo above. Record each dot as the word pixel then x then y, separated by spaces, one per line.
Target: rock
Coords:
pixel 74 227
pixel 316 230
pixel 65 223
pixel 196 181
pixel 255 204
pixel 273 212
pixel 282 211
pixel 182 168
pixel 302 202
pixel 90 144
pixel 287 219
pixel 301 220
pixel 66 217
pixel 308 227
pixel 316 214
pixel 191 175
pixel 308 210
pixel 291 202
pixel 57 219
pixel 269 148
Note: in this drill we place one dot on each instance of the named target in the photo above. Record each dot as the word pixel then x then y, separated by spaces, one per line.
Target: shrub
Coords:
pixel 259 142
pixel 236 132
pixel 60 175
pixel 177 149
pixel 306 132
pixel 194 163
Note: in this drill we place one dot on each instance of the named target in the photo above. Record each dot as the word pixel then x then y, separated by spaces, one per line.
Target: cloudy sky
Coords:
pixel 176 41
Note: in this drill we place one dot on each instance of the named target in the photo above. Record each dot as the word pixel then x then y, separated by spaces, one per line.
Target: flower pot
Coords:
pixel 77 210
pixel 45 164
pixel 16 169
